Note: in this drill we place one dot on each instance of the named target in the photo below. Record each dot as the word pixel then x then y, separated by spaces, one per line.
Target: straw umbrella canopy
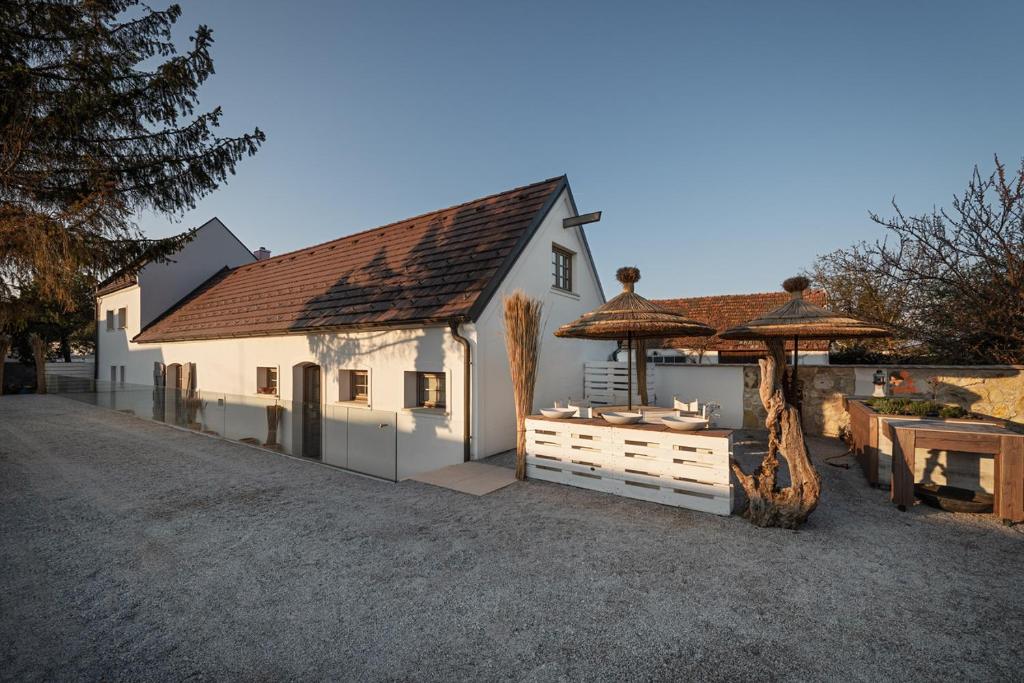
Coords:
pixel 799 319
pixel 767 504
pixel 629 316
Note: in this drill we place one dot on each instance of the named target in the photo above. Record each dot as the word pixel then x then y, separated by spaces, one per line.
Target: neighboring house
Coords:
pixel 723 312
pixel 371 329
pixel 127 303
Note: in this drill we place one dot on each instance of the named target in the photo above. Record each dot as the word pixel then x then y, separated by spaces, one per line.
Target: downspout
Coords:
pixel 96 338
pixel 466 379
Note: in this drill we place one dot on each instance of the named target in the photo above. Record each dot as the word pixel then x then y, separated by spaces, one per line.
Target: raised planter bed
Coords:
pixel 873 449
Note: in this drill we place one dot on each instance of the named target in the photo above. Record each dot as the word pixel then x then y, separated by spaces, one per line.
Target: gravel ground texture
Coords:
pixel 132 550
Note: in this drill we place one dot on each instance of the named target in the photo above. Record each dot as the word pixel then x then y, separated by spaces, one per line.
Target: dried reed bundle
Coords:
pixel 5 347
pixel 522 341
pixel 39 354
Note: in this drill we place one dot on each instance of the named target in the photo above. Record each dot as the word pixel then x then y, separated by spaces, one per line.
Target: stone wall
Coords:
pixel 997 391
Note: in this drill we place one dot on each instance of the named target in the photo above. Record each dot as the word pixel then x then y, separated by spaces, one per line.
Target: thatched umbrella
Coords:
pixel 797 319
pixel 629 316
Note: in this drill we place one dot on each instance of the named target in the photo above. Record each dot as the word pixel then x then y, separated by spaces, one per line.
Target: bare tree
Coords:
pixel 950 282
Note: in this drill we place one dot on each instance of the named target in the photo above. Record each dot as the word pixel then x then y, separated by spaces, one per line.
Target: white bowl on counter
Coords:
pixel 684 423
pixel 558 413
pixel 622 418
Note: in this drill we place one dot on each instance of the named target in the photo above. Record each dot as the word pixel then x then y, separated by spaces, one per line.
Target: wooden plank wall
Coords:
pixel 672 468
pixel 605 383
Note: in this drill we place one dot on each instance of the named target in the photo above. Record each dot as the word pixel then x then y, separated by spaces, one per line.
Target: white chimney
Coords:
pixel 261 254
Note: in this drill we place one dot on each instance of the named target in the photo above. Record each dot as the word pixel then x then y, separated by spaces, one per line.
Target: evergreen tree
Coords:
pixel 98 120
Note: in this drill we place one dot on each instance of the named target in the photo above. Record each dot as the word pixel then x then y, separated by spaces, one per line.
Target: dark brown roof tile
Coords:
pixel 426 268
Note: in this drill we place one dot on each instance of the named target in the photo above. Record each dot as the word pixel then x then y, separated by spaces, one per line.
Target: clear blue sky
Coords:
pixel 727 143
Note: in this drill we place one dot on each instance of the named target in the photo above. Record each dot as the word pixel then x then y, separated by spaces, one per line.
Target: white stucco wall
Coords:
pixel 425 440
pixel 722 384
pixel 113 344
pixel 561 360
pixel 165 284
pixel 227 369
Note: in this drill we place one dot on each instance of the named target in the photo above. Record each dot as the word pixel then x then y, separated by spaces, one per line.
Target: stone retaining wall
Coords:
pixel 996 391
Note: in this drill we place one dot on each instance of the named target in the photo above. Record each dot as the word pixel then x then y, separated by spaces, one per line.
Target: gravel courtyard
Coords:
pixel 132 550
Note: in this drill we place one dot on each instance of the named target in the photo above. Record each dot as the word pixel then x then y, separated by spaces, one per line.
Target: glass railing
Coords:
pixel 346 436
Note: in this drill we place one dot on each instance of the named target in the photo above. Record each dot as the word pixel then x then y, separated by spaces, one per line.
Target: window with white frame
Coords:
pixel 430 390
pixel 561 267
pixel 122 318
pixel 266 380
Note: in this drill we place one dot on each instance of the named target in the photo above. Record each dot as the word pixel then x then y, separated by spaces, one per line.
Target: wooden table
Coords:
pixel 1006 447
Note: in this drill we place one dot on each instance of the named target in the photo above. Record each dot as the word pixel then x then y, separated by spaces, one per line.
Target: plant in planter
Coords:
pixel 274 413
pixel 874 449
pixel 917 408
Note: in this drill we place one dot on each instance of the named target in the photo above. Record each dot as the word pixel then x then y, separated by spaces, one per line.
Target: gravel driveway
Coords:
pixel 132 550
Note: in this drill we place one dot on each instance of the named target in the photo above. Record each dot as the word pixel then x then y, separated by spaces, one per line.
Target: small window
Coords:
pixel 430 390
pixel 354 385
pixel 122 318
pixel 110 320
pixel 359 386
pixel 122 376
pixel 113 375
pixel 266 380
pixel 561 266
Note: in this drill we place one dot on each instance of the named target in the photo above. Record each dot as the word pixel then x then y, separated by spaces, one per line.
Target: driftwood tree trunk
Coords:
pixel 5 347
pixel 641 370
pixel 39 354
pixel 769 505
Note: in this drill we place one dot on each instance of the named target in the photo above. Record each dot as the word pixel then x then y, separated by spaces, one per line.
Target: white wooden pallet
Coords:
pixel 607 382
pixel 673 468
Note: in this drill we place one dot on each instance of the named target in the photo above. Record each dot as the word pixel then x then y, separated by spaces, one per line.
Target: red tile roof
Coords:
pixel 723 312
pixel 117 281
pixel 426 269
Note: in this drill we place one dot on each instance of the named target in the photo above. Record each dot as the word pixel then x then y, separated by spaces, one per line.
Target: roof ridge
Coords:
pixel 722 296
pixel 400 220
pixel 429 269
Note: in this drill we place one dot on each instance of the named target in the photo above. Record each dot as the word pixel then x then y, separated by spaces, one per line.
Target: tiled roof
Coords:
pixel 729 310
pixel 119 280
pixel 430 268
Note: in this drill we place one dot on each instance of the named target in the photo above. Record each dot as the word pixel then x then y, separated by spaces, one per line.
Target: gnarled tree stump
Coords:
pixel 769 505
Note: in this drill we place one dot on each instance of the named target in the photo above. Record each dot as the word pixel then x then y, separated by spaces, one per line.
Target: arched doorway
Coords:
pixel 308 397
pixel 173 408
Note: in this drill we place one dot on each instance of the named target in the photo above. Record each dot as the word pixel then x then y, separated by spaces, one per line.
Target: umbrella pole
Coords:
pixel 629 371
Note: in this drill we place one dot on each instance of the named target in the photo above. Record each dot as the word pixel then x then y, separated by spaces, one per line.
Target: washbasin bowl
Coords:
pixel 684 423
pixel 558 413
pixel 622 418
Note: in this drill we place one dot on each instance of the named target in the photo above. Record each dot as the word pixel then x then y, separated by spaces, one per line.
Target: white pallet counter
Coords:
pixel 606 382
pixel 644 461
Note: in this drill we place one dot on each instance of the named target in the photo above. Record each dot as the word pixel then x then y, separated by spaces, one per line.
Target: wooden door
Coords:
pixel 311 411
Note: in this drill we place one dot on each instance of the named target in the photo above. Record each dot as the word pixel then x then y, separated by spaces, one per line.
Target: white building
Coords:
pixel 384 348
